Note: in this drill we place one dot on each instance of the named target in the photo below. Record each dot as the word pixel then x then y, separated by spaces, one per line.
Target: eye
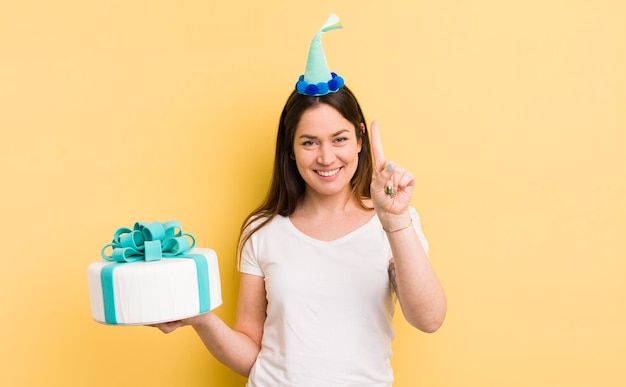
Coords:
pixel 341 139
pixel 308 143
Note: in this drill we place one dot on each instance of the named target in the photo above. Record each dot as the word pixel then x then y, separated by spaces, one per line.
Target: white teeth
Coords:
pixel 328 173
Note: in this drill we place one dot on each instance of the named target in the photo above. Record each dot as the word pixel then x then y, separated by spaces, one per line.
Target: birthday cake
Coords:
pixel 154 274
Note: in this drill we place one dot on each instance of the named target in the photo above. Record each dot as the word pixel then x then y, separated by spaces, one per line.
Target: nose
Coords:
pixel 326 155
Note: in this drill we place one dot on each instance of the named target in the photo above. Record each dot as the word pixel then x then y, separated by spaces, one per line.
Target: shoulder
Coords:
pixel 259 225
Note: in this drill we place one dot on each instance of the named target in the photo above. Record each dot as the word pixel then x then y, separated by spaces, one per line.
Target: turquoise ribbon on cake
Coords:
pixel 150 241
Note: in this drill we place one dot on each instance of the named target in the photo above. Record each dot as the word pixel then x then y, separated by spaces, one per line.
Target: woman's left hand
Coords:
pixel 392 186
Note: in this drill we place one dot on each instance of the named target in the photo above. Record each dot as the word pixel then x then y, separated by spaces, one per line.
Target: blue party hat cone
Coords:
pixel 318 79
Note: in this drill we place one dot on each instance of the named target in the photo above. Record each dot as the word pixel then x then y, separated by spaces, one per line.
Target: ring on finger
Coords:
pixel 389 190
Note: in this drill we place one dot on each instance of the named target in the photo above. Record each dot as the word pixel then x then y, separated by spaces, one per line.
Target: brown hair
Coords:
pixel 287 187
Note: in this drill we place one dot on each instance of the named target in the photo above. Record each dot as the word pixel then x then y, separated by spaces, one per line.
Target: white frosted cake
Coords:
pixel 149 292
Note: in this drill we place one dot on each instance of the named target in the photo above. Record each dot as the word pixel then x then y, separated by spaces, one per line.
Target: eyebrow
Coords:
pixel 333 135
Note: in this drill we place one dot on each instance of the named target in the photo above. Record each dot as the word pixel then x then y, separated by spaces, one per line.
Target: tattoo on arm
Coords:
pixel 392 275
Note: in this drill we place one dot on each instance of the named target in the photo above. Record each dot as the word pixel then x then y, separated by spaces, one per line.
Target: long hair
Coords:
pixel 287 188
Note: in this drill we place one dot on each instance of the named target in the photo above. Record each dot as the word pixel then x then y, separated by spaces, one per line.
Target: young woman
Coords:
pixel 323 259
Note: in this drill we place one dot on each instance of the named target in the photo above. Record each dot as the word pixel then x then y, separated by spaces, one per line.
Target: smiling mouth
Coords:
pixel 328 173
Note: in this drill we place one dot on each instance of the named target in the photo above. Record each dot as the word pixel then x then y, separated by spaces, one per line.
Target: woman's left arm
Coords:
pixel 412 276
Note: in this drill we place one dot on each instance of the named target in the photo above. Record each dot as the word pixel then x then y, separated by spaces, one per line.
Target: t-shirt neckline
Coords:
pixel 342 238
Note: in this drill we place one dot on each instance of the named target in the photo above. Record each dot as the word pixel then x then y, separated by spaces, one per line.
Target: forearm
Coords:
pixel 234 349
pixel 418 289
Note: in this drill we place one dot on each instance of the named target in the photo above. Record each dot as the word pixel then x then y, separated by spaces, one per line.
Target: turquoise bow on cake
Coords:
pixel 148 241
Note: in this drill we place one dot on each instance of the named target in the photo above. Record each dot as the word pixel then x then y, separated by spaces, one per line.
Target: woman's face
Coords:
pixel 326 151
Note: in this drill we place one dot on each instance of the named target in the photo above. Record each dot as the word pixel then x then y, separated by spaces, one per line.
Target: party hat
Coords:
pixel 317 79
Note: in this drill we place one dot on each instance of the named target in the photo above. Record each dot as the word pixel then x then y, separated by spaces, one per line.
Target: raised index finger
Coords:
pixel 377 147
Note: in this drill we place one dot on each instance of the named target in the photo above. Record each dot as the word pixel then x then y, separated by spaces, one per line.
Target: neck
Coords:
pixel 321 205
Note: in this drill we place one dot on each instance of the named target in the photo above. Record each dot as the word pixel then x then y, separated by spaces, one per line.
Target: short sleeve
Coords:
pixel 417 224
pixel 248 261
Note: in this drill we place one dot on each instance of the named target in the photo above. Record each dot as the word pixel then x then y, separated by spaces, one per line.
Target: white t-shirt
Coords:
pixel 330 306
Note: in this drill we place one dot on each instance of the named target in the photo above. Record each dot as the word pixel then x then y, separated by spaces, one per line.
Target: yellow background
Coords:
pixel 512 115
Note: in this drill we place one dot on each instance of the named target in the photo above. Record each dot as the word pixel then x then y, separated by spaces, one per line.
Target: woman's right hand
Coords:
pixel 236 347
pixel 171 326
